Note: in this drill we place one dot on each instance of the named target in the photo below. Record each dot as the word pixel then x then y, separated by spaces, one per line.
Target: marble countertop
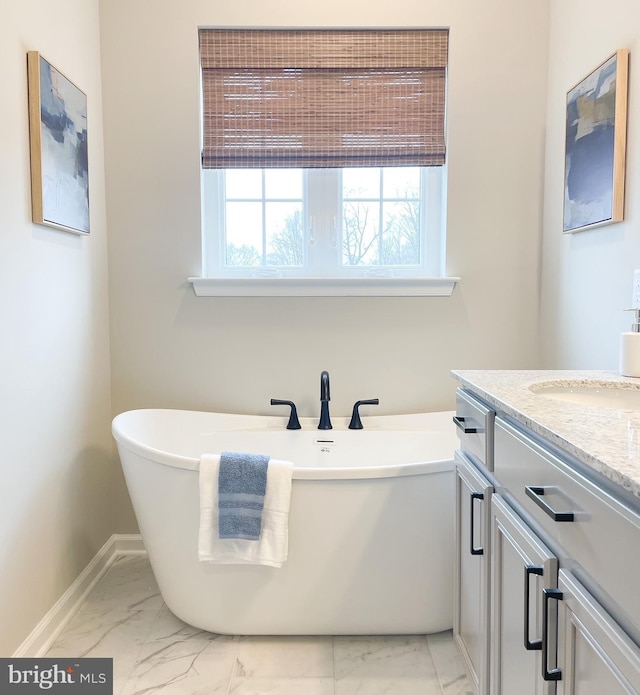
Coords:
pixel 605 439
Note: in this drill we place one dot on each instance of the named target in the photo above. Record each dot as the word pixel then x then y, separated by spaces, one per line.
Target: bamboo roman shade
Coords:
pixel 323 98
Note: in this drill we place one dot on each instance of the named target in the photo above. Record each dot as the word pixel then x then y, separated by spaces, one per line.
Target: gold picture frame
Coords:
pixel 58 143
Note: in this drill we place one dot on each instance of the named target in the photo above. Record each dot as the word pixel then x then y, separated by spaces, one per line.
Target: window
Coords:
pixel 323 153
pixel 353 222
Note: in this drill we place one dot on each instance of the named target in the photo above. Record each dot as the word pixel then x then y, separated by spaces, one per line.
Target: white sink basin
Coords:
pixel 597 396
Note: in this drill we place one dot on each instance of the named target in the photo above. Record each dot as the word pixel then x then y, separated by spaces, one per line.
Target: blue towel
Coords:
pixel 242 483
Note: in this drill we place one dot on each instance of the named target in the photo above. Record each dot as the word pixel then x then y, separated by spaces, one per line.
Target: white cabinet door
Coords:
pixel 521 567
pixel 595 656
pixel 472 568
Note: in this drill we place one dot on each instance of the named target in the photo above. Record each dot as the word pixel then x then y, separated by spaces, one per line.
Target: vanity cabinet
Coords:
pixel 553 595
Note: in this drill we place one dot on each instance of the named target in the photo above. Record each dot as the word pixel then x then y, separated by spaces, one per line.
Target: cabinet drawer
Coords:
pixel 474 421
pixel 593 531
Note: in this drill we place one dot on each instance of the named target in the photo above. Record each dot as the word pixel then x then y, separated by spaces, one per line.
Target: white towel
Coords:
pixel 273 546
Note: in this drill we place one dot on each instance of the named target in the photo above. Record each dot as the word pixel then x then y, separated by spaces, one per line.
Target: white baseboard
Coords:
pixel 128 544
pixel 48 629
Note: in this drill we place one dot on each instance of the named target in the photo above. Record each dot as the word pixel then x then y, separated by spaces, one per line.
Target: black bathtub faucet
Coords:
pixel 325 397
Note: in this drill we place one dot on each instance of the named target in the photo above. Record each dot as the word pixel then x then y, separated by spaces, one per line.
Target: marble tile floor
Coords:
pixel 124 617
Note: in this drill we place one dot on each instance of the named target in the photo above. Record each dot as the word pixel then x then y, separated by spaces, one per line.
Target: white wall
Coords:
pixel 172 349
pixel 56 461
pixel 587 276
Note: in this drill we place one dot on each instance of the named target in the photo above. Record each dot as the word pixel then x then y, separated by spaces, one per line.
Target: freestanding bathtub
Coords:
pixel 370 525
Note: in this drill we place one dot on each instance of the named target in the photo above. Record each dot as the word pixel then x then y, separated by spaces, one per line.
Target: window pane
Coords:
pixel 360 233
pixel 400 244
pixel 243 234
pixel 401 182
pixel 284 234
pixel 243 183
pixel 283 184
pixel 374 234
pixel 386 230
pixel 361 183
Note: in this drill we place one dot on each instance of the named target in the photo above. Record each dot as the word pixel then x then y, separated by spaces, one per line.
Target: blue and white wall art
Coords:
pixel 59 155
pixel 596 125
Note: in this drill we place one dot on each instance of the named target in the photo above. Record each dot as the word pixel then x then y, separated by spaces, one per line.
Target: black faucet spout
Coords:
pixel 325 392
pixel 325 397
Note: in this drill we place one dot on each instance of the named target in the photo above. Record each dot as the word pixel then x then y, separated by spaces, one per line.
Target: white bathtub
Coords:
pixel 370 527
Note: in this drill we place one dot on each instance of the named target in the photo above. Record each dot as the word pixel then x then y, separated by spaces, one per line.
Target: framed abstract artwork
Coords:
pixel 59 154
pixel 596 129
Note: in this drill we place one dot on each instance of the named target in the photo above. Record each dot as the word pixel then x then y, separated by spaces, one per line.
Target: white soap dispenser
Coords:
pixel 630 348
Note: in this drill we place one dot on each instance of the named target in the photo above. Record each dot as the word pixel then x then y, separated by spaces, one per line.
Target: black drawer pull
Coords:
pixel 536 493
pixel 460 424
pixel 555 674
pixel 530 645
pixel 472 548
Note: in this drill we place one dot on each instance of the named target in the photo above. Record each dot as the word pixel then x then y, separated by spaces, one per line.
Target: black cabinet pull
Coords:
pixel 459 420
pixel 555 674
pixel 473 549
pixel 536 493
pixel 530 645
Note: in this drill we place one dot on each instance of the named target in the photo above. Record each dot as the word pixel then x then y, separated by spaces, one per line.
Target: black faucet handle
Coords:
pixel 356 422
pixel 294 423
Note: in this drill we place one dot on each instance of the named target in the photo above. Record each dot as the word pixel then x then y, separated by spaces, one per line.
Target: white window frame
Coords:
pixel 324 274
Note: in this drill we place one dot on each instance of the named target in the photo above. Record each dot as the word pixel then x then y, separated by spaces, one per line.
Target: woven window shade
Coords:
pixel 323 98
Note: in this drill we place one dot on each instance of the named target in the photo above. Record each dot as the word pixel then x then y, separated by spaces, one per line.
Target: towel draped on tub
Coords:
pixel 242 483
pixel 244 509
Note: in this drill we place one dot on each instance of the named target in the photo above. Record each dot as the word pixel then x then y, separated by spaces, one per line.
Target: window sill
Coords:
pixel 323 287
